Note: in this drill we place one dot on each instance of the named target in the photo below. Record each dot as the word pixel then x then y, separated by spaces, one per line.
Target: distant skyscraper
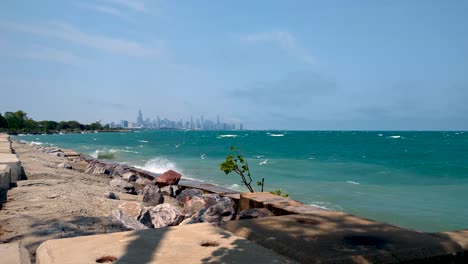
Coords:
pixel 140 118
pixel 218 125
pixel 202 122
pixel 241 127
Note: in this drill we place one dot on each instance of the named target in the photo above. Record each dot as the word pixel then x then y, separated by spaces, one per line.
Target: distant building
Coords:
pixel 124 123
pixel 241 126
pixel 140 121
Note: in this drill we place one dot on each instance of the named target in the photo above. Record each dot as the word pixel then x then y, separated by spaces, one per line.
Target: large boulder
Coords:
pixel 254 213
pixel 198 203
pixel 161 215
pixel 170 177
pixel 143 181
pixel 168 191
pixel 129 176
pixel 122 186
pixel 152 195
pixel 188 194
pixel 128 221
pixel 218 213
pixel 221 212
pixel 132 209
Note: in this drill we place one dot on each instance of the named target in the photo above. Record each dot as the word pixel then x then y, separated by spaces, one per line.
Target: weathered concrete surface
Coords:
pixel 276 204
pixel 335 237
pixel 56 203
pixel 15 165
pixel 14 253
pixel 197 243
pixel 5 174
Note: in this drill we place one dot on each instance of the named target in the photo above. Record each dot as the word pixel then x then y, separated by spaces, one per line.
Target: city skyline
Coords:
pixel 197 123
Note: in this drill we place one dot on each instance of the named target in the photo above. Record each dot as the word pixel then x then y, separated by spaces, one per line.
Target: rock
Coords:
pixel 221 212
pixel 217 210
pixel 129 176
pixel 111 195
pixel 188 194
pixel 254 213
pixel 152 195
pixel 52 196
pixel 168 190
pixel 164 215
pixel 64 165
pixel 60 154
pixel 194 205
pixel 132 209
pixel 173 201
pixel 170 177
pixel 143 181
pixel 128 221
pixel 120 169
pixel 122 186
pixel 145 217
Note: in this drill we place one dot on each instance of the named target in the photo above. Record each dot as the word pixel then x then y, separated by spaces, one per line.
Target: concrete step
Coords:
pixel 196 243
pixel 14 253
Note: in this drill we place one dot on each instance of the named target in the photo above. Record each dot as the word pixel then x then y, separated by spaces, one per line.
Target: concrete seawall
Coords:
pixel 10 166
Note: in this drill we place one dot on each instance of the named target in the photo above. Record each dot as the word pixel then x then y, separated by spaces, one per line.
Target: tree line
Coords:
pixel 19 122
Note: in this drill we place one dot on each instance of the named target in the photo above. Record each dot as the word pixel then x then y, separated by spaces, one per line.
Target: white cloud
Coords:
pixel 75 36
pixel 283 39
pixel 105 10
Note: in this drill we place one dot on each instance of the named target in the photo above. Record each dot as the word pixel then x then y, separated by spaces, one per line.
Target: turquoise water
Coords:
pixel 417 180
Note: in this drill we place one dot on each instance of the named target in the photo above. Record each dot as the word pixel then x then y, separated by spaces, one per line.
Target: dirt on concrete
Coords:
pixel 56 202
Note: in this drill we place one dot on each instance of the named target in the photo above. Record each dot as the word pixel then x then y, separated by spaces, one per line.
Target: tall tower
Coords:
pixel 218 126
pixel 140 118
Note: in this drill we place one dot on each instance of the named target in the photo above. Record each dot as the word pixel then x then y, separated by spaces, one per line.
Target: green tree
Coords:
pixel 16 119
pixel 237 164
pixel 3 122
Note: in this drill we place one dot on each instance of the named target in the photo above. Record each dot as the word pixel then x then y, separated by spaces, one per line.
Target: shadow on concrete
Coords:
pixel 35 230
pixel 341 237
pixel 141 248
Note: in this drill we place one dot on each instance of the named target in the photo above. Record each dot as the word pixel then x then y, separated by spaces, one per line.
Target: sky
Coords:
pixel 307 65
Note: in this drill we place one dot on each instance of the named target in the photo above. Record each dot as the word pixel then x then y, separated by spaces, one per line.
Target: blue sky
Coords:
pixel 269 64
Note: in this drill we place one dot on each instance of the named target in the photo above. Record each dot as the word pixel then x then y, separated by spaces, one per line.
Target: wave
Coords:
pixel 143 141
pixel 353 182
pixel 37 143
pixel 227 136
pixel 397 136
pixel 109 154
pixel 159 165
pixel 276 135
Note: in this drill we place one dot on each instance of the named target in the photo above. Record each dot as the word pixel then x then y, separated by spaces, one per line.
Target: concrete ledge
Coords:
pixel 15 165
pixel 276 204
pixel 335 237
pixel 14 253
pixel 5 177
pixel 197 243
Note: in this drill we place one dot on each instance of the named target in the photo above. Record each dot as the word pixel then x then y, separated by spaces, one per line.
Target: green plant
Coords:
pixel 236 163
pixel 278 192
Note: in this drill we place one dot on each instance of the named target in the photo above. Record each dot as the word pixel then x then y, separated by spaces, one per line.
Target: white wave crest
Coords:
pixel 397 136
pixel 143 141
pixel 227 136
pixel 159 165
pixel 353 182
pixel 35 143
pixel 276 135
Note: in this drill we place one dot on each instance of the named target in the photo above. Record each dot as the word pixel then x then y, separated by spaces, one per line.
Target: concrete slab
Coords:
pixel 276 204
pixel 5 177
pixel 14 253
pixel 15 165
pixel 461 237
pixel 335 237
pixel 197 243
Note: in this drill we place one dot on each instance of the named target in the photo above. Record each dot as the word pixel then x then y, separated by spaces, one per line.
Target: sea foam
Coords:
pixel 159 165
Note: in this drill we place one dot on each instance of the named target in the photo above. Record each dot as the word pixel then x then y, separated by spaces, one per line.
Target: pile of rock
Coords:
pixel 163 202
pixel 190 206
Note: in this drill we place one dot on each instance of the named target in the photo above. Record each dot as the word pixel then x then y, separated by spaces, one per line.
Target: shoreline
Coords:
pixel 58 202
